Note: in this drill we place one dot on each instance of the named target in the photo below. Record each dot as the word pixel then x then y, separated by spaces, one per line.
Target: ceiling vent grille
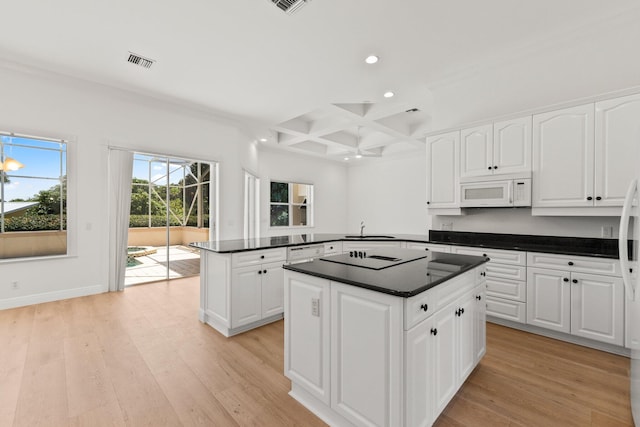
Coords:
pixel 290 6
pixel 140 60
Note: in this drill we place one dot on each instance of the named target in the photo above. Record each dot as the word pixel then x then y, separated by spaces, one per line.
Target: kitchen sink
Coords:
pixel 369 237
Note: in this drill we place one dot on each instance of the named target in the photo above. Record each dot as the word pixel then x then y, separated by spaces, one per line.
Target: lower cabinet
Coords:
pixel 241 291
pixel 585 305
pixel 352 361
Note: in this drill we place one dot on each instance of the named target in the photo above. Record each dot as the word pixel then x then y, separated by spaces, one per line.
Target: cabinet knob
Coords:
pixel 570 263
pixel 330 247
pixel 424 307
pixel 259 271
pixel 484 273
pixel 426 249
pixel 575 280
pixel 264 271
pixel 589 198
pixel 489 168
pixel 598 198
pixel 462 311
pixel 261 256
pixel 495 167
pixel 479 297
pixel 484 255
pixel 458 312
pixel 428 202
pixel 565 279
pixel 434 331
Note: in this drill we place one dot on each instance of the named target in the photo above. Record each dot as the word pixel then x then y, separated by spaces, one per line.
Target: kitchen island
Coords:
pixel 384 337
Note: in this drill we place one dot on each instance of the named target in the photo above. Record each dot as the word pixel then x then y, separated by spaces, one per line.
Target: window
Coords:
pixel 33 196
pixel 291 204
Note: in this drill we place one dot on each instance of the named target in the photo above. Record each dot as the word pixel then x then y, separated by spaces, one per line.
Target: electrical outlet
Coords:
pixel 446 226
pixel 14 284
pixel 607 231
pixel 315 307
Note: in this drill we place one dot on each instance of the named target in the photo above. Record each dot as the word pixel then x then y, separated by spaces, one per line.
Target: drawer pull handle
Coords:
pixel 570 263
pixel 479 297
pixel 424 307
pixel 434 331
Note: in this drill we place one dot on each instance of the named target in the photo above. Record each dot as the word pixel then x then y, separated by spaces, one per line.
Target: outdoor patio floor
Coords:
pixel 183 262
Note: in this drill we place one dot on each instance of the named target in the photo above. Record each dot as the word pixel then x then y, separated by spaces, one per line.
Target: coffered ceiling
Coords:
pixel 297 80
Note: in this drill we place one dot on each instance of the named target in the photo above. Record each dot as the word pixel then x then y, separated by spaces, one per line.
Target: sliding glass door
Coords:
pixel 171 206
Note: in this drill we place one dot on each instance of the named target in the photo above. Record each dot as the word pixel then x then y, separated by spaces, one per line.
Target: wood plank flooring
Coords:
pixel 141 358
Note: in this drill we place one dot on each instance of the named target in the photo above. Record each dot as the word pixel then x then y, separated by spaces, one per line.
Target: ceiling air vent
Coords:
pixel 290 6
pixel 136 59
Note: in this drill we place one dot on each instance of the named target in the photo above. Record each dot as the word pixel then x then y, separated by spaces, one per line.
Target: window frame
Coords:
pixel 68 159
pixel 291 204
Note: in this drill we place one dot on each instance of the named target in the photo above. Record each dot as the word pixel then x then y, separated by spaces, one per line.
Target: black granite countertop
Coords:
pixel 403 280
pixel 603 248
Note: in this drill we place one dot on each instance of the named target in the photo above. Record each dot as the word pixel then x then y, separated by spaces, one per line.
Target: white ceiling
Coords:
pixel 300 80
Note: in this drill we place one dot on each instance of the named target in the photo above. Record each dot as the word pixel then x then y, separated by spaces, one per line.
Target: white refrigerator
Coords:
pixel 632 288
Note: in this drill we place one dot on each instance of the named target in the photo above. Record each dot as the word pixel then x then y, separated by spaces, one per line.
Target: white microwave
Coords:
pixel 501 193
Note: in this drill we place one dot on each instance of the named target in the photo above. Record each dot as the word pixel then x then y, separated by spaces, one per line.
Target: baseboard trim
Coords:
pixel 585 342
pixel 50 296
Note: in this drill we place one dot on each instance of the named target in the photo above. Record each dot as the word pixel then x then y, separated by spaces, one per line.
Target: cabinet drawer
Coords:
pixel 418 308
pixel 495 255
pixel 574 263
pixel 428 246
pixel 503 271
pixel 363 245
pixel 507 309
pixel 508 289
pixel 333 248
pixel 245 259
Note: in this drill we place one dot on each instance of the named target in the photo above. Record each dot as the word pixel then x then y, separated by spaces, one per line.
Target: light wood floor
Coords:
pixel 141 358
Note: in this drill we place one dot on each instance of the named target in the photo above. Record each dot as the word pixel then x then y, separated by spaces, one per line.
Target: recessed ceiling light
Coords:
pixel 263 140
pixel 358 156
pixel 388 94
pixel 346 158
pixel 371 59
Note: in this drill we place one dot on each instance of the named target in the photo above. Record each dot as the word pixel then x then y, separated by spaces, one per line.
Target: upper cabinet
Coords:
pixel 584 157
pixel 563 158
pixel 617 148
pixel 443 186
pixel 501 148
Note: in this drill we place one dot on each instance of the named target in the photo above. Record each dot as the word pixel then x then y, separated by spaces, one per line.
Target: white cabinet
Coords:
pixel 476 151
pixel 352 357
pixel 617 148
pixel 500 148
pixel 332 248
pixel 366 374
pixel 563 158
pixel 506 282
pixel 365 245
pixel 243 290
pixel 306 334
pixel 512 146
pixel 571 299
pixel 443 174
pixel 434 247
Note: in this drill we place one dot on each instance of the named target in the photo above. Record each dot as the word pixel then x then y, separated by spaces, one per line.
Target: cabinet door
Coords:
pixel 420 345
pixel 480 324
pixel 443 152
pixel 548 299
pixel 512 146
pixel 445 376
pixel 597 304
pixel 476 151
pixel 272 289
pixel 246 299
pixel 366 355
pixel 617 148
pixel 466 339
pixel 306 333
pixel 431 247
pixel 563 158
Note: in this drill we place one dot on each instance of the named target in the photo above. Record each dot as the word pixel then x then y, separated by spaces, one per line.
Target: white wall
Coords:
pixel 330 191
pixel 389 195
pixel 93 117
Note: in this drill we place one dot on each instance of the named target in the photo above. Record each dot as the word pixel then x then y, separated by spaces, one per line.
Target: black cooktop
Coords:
pixel 376 259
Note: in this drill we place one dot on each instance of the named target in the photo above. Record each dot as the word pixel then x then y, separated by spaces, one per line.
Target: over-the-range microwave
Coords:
pixel 500 193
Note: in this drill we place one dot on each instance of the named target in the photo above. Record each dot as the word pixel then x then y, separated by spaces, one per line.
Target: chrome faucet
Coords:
pixel 361 228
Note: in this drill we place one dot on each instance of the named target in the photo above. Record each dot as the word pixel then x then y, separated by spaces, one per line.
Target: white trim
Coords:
pixel 51 296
